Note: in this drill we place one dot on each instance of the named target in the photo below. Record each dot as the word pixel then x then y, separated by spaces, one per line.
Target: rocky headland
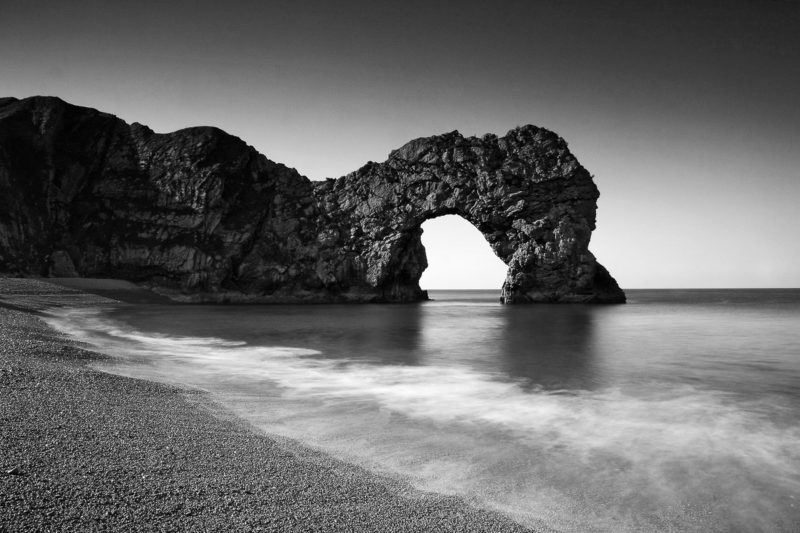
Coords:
pixel 200 215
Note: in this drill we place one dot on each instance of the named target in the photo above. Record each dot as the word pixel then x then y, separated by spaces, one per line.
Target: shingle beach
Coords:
pixel 83 450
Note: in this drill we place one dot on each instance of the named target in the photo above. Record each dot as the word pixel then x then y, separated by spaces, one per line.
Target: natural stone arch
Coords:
pixel 525 192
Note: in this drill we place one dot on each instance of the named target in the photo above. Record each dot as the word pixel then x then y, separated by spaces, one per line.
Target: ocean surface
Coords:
pixel 679 411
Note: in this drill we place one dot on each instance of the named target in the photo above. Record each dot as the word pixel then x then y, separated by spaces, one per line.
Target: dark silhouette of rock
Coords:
pixel 201 215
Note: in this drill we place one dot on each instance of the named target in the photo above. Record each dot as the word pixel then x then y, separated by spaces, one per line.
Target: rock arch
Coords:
pixel 525 192
pixel 201 215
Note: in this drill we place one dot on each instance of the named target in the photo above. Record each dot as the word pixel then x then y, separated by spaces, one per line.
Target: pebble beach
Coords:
pixel 83 450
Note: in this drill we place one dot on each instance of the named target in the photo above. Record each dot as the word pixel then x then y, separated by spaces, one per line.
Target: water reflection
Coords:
pixel 382 334
pixel 551 346
pixel 543 347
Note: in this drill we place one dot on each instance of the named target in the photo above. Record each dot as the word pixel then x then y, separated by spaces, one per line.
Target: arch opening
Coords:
pixel 459 257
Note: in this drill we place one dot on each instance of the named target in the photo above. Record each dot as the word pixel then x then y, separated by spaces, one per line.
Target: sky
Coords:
pixel 686 113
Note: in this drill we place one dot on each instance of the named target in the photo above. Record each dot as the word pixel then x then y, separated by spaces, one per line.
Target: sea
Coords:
pixel 678 411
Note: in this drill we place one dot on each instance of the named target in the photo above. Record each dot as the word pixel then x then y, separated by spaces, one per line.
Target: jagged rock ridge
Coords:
pixel 201 214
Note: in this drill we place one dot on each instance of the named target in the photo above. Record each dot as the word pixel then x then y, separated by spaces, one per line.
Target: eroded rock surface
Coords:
pixel 200 214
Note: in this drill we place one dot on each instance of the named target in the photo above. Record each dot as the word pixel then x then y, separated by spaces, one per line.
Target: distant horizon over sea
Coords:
pixel 654 289
pixel 678 411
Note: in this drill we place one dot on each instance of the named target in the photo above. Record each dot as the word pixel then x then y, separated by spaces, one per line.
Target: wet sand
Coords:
pixel 82 450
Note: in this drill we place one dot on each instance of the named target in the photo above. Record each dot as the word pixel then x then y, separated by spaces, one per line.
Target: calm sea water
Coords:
pixel 679 411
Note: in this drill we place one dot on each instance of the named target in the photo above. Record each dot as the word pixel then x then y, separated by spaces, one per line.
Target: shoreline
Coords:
pixel 86 450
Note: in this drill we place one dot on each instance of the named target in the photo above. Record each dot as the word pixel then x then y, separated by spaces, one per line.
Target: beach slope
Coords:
pixel 83 450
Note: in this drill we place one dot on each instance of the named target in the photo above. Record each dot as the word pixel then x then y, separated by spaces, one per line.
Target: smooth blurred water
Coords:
pixel 679 411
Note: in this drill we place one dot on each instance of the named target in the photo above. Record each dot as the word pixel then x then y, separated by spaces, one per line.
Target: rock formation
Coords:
pixel 201 215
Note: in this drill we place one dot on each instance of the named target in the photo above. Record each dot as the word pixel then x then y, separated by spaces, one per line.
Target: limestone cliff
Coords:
pixel 201 215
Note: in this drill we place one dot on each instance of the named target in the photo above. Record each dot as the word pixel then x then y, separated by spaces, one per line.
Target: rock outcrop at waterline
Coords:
pixel 199 214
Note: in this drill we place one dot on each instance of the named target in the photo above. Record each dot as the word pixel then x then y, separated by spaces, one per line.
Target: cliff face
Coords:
pixel 198 213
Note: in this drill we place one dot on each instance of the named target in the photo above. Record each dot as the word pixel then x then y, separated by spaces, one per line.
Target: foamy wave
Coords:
pixel 702 423
pixel 666 443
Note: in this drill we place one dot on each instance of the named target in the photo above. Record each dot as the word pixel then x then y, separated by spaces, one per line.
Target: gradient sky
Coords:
pixel 687 113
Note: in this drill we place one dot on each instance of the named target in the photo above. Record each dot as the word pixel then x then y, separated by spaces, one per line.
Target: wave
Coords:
pixel 668 457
